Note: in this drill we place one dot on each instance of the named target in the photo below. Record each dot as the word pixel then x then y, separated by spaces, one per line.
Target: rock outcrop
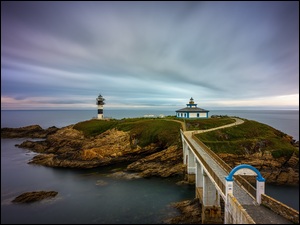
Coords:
pixel 276 171
pixel 34 196
pixel 190 212
pixel 165 163
pixel 33 131
pixel 68 147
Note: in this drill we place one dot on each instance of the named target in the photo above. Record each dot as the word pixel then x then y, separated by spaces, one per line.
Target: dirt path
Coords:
pixel 237 122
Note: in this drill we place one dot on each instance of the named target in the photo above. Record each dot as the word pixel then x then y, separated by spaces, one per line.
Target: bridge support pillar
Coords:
pixel 199 181
pixel 191 166
pixel 211 208
pixel 260 189
pixel 229 190
pixel 185 151
pixel 199 175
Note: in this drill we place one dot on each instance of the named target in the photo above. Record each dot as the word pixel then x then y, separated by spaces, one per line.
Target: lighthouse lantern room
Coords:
pixel 100 103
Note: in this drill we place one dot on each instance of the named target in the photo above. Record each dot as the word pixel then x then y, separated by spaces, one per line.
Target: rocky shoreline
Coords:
pixel 68 147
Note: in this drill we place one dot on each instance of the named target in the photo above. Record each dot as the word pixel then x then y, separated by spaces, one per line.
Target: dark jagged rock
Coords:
pixel 68 147
pixel 52 160
pixel 32 131
pixel 165 163
pixel 34 196
pixel 190 211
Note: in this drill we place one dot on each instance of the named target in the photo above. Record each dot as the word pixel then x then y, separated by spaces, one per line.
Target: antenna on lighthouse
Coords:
pixel 100 103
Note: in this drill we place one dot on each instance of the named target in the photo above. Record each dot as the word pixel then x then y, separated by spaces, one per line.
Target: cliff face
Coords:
pixel 68 147
pixel 165 163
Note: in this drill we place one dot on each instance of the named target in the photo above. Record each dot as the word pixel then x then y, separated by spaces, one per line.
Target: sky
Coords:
pixel 156 54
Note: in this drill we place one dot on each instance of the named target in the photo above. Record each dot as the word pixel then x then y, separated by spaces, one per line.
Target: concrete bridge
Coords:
pixel 227 197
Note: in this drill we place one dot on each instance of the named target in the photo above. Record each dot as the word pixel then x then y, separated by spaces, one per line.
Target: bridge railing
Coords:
pixel 280 208
pixel 239 179
pixel 208 168
pixel 221 163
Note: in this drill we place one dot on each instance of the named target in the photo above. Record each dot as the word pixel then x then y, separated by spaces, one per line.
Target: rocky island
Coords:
pixel 152 147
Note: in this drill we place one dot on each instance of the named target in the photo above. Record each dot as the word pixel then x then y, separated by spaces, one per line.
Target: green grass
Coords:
pixel 248 138
pixel 204 124
pixel 94 127
pixel 145 131
pixel 149 131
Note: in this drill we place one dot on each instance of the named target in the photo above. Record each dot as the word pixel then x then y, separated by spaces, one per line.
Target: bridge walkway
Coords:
pixel 259 213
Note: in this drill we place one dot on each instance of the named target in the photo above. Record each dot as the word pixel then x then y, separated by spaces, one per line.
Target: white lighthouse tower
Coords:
pixel 100 103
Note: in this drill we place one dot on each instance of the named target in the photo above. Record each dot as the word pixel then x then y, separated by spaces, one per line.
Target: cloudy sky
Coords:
pixel 226 55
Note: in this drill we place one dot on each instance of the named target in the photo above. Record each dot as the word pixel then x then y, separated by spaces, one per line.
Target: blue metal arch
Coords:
pixel 232 172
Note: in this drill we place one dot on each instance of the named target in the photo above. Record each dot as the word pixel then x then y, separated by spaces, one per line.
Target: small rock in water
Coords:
pixel 124 175
pixel 101 183
pixel 34 196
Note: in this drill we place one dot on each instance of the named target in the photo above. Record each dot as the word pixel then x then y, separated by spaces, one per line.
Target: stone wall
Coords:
pixel 235 213
pixel 280 208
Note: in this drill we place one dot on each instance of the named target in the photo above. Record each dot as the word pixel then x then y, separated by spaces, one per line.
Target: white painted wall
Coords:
pixel 201 115
pixel 193 115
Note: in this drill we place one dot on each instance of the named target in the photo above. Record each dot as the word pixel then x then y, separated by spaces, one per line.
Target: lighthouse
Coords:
pixel 100 103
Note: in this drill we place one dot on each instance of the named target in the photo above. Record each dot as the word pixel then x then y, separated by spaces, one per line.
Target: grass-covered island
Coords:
pixel 152 147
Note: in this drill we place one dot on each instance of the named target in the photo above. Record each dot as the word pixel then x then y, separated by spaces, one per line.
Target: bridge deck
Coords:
pixel 259 213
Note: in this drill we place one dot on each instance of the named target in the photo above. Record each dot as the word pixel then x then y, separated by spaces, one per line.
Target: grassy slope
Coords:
pixel 205 124
pixel 248 137
pixel 147 131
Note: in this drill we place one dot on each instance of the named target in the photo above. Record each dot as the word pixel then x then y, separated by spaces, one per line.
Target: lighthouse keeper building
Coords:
pixel 192 111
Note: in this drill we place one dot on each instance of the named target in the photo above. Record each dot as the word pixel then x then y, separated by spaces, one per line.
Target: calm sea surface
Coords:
pixel 92 196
